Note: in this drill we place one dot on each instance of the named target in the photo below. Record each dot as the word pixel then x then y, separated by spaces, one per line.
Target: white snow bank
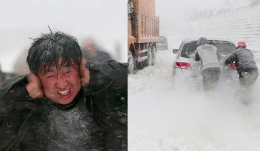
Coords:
pixel 161 118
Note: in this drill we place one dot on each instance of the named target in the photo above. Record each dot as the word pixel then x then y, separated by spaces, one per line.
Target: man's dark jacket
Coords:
pixel 106 99
pixel 244 60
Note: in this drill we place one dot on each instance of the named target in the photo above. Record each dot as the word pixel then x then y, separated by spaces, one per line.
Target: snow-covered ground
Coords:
pixel 165 119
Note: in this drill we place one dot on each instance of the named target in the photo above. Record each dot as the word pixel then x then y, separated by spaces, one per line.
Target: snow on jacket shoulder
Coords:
pixel 208 54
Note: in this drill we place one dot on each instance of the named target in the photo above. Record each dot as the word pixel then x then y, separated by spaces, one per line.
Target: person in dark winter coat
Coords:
pixel 66 102
pixel 245 65
pixel 92 53
pixel 210 63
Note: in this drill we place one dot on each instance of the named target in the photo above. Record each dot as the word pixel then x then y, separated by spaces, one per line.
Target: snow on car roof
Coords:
pixel 187 39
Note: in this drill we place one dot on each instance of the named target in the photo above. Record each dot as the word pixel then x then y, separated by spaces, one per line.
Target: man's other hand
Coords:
pixel 84 73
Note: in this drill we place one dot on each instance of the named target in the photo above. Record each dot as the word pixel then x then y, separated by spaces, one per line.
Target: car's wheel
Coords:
pixel 153 51
pixel 131 63
pixel 150 57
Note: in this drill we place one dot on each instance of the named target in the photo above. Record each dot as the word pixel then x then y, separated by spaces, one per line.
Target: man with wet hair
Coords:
pixel 210 64
pixel 66 102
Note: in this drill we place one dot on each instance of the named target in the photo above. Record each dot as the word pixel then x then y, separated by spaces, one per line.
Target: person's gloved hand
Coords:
pixel 34 86
pixel 84 72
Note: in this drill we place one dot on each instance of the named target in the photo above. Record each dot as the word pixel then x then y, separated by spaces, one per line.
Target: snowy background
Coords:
pixel 105 21
pixel 165 119
pixel 184 119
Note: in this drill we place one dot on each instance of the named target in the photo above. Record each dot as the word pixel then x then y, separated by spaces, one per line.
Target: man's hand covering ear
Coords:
pixel 34 86
pixel 84 72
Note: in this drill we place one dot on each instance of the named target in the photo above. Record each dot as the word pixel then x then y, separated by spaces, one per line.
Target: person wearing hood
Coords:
pixel 245 65
pixel 210 64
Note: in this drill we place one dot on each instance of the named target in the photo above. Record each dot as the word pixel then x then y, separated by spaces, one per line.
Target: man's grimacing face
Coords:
pixel 62 84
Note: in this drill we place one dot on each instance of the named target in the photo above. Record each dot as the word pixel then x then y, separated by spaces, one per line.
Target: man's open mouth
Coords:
pixel 64 92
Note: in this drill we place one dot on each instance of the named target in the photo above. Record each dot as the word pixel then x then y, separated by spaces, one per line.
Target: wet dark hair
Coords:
pixel 46 51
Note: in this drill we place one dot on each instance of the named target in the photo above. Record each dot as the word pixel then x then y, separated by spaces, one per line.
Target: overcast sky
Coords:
pixel 105 21
pixel 174 5
pixel 173 13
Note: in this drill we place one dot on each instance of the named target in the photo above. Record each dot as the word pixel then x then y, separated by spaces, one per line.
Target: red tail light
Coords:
pixel 182 65
pixel 233 66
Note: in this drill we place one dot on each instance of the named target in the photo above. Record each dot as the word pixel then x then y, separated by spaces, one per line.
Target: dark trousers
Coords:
pixel 210 78
pixel 248 78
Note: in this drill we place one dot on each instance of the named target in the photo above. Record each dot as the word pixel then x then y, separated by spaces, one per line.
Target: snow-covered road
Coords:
pixel 166 119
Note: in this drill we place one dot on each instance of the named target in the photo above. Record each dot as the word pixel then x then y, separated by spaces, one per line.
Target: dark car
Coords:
pixel 162 44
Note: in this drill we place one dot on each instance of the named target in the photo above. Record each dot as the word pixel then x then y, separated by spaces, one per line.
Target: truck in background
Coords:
pixel 143 34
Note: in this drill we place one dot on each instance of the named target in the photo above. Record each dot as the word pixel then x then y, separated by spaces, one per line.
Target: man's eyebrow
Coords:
pixel 66 65
pixel 48 71
pixel 72 64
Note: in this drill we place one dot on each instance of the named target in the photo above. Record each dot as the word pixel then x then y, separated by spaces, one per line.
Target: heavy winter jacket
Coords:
pixel 100 111
pixel 209 56
pixel 243 58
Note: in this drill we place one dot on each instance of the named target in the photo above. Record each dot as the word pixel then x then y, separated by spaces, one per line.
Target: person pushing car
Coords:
pixel 245 65
pixel 210 64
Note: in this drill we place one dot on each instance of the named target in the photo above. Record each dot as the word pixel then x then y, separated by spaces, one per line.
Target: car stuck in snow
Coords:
pixel 187 70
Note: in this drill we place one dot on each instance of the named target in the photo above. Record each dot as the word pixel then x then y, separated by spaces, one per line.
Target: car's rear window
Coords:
pixel 224 48
pixel 162 39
